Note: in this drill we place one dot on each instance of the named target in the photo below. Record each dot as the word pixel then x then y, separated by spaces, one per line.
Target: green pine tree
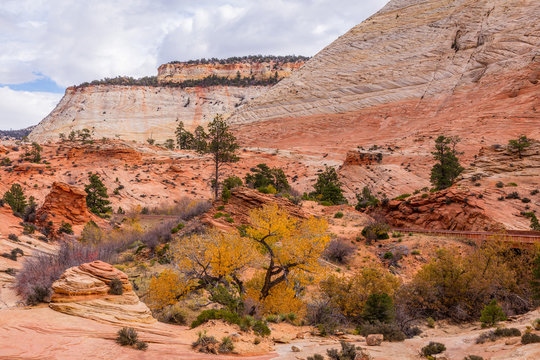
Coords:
pixel 379 307
pixel 96 197
pixel 221 146
pixel 519 145
pixel 328 187
pixel 184 139
pixel 447 168
pixel 16 199
pixel 199 139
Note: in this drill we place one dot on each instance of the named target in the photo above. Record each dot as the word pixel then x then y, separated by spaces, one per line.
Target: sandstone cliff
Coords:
pixel 178 72
pixel 138 112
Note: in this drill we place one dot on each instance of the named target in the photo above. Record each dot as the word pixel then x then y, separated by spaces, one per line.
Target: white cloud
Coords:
pixel 20 109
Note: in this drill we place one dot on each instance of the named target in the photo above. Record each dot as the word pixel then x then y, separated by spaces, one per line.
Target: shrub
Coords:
pixel 433 348
pixel 402 196
pixel 127 336
pixel 13 237
pixel 491 314
pixel 13 254
pixel 141 345
pixel 536 324
pixel 261 328
pixel 315 357
pixel 65 228
pixel 16 199
pixel 347 352
pixel 217 314
pixel 388 255
pixel 473 357
pixel 530 338
pixel 376 230
pixel 206 344
pixel 499 184
pixel 325 315
pixel 338 215
pixel 37 294
pixel 365 199
pixel 177 228
pixel 430 322
pixel 338 251
pixel 116 287
pixel 525 200
pixel 218 215
pixel 513 195
pixel 269 189
pixel 507 332
pixel 226 345
pixel 390 331
pixel 173 315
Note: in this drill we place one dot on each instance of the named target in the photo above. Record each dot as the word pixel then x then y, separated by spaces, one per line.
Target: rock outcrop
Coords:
pixel 84 291
pixel 243 200
pixel 64 203
pixel 138 112
pixel 450 209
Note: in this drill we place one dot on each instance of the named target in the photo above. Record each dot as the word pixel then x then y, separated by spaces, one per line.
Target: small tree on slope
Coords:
pixel 96 198
pixel 447 168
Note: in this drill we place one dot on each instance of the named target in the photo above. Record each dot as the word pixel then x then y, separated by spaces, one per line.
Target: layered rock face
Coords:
pixel 84 291
pixel 64 203
pixel 178 72
pixel 138 112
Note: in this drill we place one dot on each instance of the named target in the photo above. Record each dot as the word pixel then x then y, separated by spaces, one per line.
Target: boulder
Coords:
pixel 374 339
pixel 84 291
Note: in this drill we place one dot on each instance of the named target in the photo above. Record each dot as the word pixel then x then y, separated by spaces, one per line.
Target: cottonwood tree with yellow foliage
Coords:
pixel 283 250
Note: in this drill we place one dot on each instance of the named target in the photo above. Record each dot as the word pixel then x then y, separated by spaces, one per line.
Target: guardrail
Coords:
pixel 522 237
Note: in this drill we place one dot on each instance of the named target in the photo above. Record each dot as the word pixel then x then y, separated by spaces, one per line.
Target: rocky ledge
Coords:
pixel 84 291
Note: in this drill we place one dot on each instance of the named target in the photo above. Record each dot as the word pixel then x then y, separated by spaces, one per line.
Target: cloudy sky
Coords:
pixel 47 45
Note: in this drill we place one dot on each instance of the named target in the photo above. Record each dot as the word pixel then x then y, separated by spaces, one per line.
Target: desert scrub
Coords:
pixel 206 344
pixel 432 348
pixel 338 215
pixel 128 336
pixel 226 345
pixel 530 338
pixel 116 287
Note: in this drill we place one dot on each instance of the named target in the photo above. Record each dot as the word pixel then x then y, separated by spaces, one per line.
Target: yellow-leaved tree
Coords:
pixel 283 250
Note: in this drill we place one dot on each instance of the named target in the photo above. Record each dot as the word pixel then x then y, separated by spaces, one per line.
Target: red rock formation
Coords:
pixel 243 200
pixel 362 158
pixel 65 203
pixel 84 291
pixel 450 209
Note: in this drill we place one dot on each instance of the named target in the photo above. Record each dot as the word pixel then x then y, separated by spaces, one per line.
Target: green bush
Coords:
pixel 499 184
pixel 473 357
pixel 402 196
pixel 218 215
pixel 338 215
pixel 177 228
pixel 507 332
pixel 65 228
pixel 433 348
pixel 491 314
pixel 328 188
pixel 347 352
pixel 260 328
pixel 216 314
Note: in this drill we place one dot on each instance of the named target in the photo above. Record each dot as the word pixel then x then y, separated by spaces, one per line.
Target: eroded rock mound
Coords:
pixel 450 209
pixel 65 203
pixel 85 291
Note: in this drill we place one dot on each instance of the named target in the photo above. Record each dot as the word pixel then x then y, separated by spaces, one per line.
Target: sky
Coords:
pixel 48 45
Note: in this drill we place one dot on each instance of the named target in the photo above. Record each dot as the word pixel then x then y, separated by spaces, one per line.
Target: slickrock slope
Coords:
pixel 138 112
pixel 178 72
pixel 84 291
pixel 416 50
